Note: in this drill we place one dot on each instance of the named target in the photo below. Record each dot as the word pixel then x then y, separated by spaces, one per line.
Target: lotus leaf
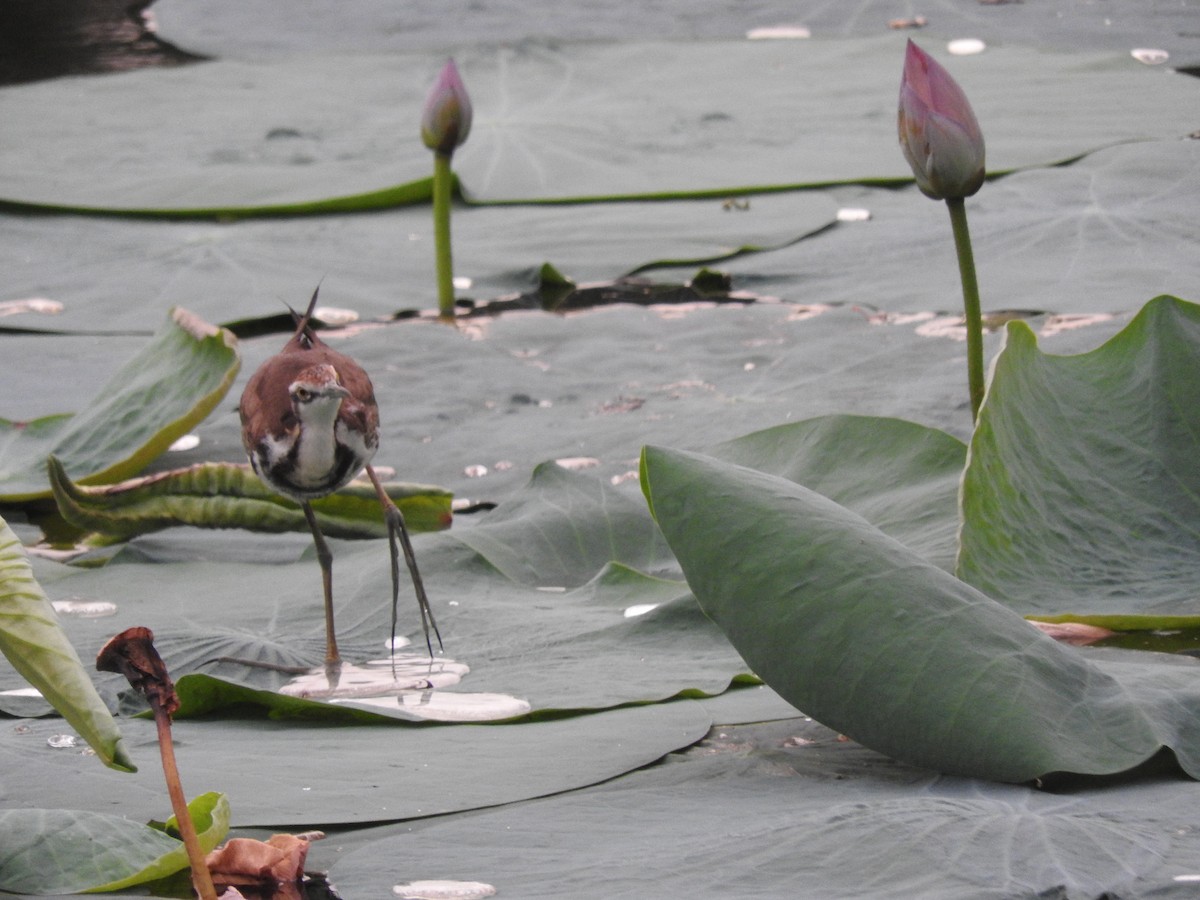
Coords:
pixel 230 495
pixel 60 851
pixel 1081 497
pixel 35 644
pixel 156 397
pixel 552 123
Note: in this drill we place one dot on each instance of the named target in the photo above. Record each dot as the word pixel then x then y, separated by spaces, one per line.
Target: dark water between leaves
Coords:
pixel 42 39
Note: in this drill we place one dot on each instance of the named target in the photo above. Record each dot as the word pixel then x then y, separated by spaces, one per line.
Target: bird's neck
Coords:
pixel 316 442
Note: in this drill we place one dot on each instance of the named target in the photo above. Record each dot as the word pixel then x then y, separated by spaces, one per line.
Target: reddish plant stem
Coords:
pixel 201 878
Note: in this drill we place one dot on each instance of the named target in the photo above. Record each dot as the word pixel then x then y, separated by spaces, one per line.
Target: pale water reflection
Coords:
pixel 85 609
pixel 404 672
pixel 409 683
pixel 443 890
pixel 449 706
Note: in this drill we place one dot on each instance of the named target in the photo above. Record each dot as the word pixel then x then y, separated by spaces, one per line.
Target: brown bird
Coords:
pixel 310 423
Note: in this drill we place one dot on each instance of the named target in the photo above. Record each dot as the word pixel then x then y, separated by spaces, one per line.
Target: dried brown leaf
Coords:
pixel 132 654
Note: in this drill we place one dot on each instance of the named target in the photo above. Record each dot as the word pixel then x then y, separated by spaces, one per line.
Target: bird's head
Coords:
pixel 317 388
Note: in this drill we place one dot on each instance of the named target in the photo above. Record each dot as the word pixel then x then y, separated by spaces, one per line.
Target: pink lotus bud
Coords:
pixel 446 121
pixel 938 132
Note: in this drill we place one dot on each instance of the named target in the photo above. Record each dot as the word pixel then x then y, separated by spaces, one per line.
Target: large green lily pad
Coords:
pixel 154 398
pixel 230 495
pixel 1082 494
pixel 221 604
pixel 1082 239
pixel 35 645
pixel 551 123
pixel 829 610
pixel 508 394
pixel 375 265
pixel 864 635
pixel 61 851
pixel 353 774
pixel 749 811
pixel 757 811
pixel 1034 249
pixel 900 476
pixel 255 29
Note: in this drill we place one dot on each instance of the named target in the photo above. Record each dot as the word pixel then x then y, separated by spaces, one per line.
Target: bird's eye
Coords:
pixel 303 395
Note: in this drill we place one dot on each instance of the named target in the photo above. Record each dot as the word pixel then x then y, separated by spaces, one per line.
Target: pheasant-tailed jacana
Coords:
pixel 310 424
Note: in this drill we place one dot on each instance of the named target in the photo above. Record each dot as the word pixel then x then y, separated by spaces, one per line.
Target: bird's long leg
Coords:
pixel 397 530
pixel 333 659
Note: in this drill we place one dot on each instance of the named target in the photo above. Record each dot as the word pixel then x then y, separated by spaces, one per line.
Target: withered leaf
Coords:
pixel 132 654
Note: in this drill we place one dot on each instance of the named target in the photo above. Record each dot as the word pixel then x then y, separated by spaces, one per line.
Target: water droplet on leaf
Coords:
pixel 778 32
pixel 31 305
pixel 334 316
pixel 85 609
pixel 1066 322
pixel 187 442
pixel 952 327
pixel 1150 56
pixel 853 214
pixel 966 47
pixel 914 22
pixel 448 706
pixel 443 890
pixel 576 463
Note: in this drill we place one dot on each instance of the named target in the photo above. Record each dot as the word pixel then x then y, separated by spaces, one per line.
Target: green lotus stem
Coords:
pixel 445 124
pixel 940 138
pixel 970 289
pixel 443 179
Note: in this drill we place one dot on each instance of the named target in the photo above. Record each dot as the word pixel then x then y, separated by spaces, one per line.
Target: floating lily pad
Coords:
pixel 827 608
pixel 357 773
pixel 256 28
pixel 603 635
pixel 755 811
pixel 375 265
pixel 1035 249
pixel 900 476
pixel 1080 499
pixel 565 122
pixel 1080 239
pixel 748 812
pixel 230 495
pixel 34 643
pixel 547 539
pixel 170 386
pixel 64 851
pixel 868 638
